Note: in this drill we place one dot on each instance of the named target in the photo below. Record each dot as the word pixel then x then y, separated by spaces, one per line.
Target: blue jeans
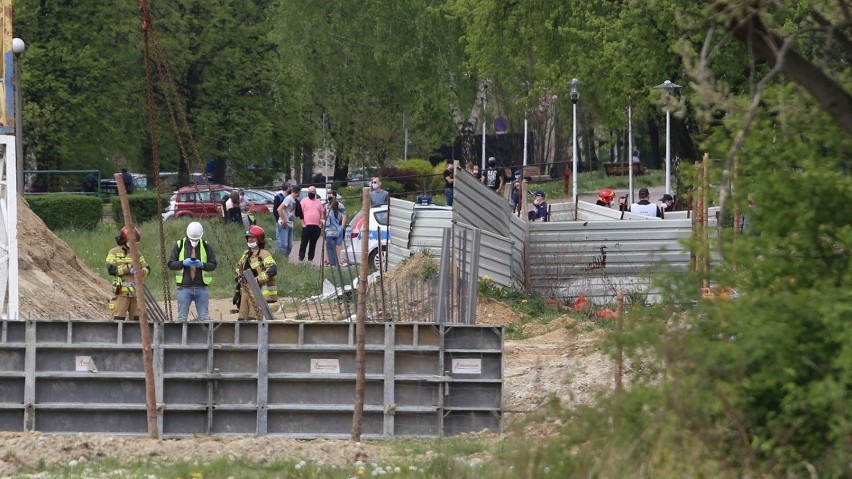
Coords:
pixel 331 250
pixel 284 238
pixel 448 193
pixel 185 297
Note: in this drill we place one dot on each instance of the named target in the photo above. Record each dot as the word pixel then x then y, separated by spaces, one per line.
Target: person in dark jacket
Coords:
pixel 194 260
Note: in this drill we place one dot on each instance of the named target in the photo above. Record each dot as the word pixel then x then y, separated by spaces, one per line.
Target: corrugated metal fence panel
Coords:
pixel 495 255
pixel 399 228
pixel 596 257
pixel 295 379
pixel 591 212
pixel 475 204
pixel 517 235
pixel 428 229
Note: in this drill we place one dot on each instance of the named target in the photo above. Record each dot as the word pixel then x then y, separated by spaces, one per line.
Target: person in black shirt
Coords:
pixel 448 182
pixel 492 177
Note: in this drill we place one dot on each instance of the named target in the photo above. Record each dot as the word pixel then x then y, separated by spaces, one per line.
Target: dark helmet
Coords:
pixel 121 237
pixel 257 232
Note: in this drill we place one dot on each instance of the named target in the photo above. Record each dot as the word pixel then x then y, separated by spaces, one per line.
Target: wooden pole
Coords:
pixel 522 204
pixel 705 240
pixel 382 270
pixel 360 318
pixel 139 280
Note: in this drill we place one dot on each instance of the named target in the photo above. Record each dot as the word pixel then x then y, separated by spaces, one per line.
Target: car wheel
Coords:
pixel 375 261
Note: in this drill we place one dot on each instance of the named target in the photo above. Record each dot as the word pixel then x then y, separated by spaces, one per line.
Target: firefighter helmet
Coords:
pixel 121 237
pixel 258 233
pixel 606 195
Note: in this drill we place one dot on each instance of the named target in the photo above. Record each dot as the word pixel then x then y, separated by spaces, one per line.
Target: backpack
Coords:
pixel 276 202
pixel 299 213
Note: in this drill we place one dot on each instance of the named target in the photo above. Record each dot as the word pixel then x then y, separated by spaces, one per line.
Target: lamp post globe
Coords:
pixel 18 46
pixel 575 98
pixel 668 87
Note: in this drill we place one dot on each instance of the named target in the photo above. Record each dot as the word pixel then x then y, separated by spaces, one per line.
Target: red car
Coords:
pixel 206 201
pixel 202 201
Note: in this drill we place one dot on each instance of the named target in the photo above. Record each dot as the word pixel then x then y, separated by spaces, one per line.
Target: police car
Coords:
pixel 378 219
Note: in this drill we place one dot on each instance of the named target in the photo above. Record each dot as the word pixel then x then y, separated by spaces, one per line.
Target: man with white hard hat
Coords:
pixel 194 260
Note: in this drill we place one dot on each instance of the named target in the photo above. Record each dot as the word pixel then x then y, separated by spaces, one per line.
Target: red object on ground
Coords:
pixel 580 303
pixel 606 313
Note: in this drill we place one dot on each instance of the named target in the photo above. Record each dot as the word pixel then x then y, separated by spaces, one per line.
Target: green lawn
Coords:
pixel 91 246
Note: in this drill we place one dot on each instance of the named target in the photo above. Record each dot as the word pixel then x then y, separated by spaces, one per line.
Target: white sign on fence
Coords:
pixel 85 364
pixel 467 366
pixel 325 366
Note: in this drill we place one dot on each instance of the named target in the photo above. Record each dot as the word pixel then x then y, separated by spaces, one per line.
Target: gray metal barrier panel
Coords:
pixel 282 378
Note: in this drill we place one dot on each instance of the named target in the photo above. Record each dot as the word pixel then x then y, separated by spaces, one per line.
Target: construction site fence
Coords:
pixel 292 379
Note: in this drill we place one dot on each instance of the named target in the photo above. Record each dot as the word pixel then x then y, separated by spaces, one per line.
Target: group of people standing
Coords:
pixel 642 207
pixel 193 259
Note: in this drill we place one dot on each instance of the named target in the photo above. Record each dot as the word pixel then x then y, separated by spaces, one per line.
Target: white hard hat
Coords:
pixel 194 231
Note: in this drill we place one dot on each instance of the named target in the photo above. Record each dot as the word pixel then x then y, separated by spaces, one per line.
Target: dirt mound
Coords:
pixel 53 282
pixel 561 363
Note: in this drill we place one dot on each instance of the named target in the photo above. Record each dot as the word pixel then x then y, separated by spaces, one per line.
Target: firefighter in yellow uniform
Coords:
pixel 120 266
pixel 263 268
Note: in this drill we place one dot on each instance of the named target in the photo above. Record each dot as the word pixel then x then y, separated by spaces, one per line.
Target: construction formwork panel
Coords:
pixel 282 378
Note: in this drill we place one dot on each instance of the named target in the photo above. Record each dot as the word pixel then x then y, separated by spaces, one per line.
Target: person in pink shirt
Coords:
pixel 313 216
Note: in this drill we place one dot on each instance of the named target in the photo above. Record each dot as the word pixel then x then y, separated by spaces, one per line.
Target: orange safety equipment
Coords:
pixel 121 237
pixel 257 232
pixel 606 195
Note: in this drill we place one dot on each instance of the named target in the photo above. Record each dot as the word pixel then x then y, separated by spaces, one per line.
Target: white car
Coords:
pixel 378 219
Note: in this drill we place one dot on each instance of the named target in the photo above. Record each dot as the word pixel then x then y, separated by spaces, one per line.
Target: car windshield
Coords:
pixel 256 197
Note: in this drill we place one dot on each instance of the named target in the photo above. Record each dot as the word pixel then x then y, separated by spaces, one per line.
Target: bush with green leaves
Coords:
pixel 142 204
pixel 67 211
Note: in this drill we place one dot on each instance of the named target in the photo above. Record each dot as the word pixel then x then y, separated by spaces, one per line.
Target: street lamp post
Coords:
pixel 669 87
pixel 18 47
pixel 483 134
pixel 526 86
pixel 575 98
pixel 630 152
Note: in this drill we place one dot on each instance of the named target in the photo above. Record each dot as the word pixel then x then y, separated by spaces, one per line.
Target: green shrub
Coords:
pixel 67 211
pixel 142 204
pixel 417 167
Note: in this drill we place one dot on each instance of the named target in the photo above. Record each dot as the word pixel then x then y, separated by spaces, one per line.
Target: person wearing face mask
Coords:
pixel 492 177
pixel 449 182
pixel 335 226
pixel 262 266
pixel 194 260
pixel 378 196
pixel 313 214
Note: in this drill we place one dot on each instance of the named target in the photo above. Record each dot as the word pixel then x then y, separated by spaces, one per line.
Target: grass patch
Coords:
pixel 91 246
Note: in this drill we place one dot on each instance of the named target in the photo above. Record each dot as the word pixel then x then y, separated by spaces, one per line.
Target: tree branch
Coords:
pixel 751 31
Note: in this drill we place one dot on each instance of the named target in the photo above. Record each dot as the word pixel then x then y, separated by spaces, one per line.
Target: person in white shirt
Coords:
pixel 644 206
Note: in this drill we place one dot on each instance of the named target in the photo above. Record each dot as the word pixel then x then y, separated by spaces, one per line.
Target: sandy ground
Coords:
pixel 557 361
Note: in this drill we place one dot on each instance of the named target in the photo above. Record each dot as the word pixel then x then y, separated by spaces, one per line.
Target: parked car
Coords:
pixel 260 201
pixel 200 201
pixel 378 218
pixel 108 186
